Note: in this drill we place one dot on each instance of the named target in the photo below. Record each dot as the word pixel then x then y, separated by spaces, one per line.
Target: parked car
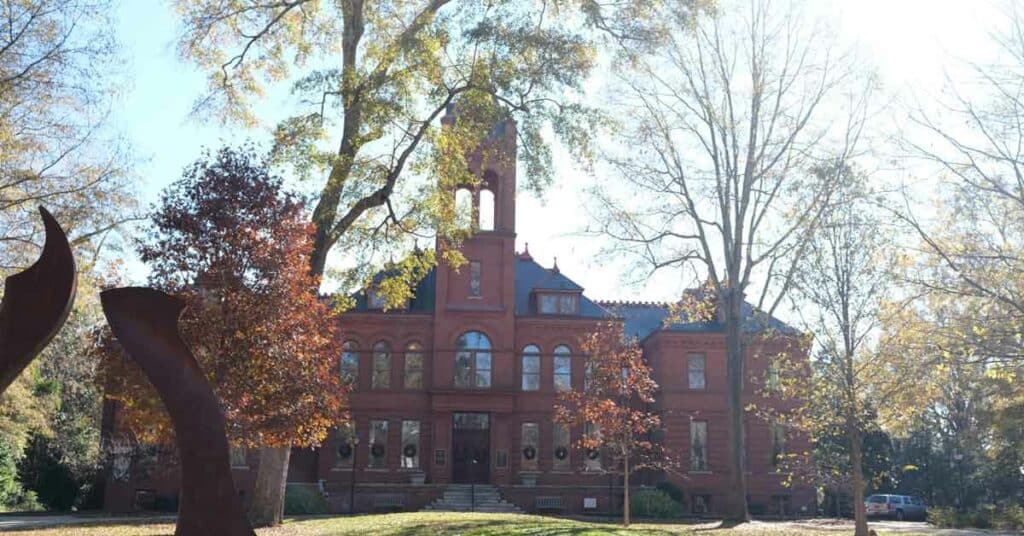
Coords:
pixel 898 507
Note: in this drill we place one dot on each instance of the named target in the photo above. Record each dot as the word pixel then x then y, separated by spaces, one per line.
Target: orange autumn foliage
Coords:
pixel 235 247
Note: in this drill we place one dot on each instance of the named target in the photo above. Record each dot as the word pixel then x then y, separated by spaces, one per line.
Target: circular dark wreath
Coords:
pixel 593 454
pixel 529 453
pixel 561 453
pixel 409 451
pixel 345 450
pixel 377 451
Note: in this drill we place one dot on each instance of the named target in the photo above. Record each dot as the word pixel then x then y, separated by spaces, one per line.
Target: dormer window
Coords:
pixel 558 303
pixel 374 299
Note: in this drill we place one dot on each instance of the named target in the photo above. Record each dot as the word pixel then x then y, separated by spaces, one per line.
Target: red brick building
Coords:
pixel 459 386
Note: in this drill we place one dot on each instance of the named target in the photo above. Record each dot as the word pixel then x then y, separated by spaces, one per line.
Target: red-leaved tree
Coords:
pixel 235 246
pixel 612 409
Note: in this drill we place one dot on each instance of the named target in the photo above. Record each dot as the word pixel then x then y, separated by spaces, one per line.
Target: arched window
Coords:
pixel 563 368
pixel 486 216
pixel 473 360
pixel 413 366
pixel 531 368
pixel 463 208
pixel 381 366
pixel 350 362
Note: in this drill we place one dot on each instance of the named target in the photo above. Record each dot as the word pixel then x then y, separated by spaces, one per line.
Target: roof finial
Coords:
pixel 525 255
pixel 555 267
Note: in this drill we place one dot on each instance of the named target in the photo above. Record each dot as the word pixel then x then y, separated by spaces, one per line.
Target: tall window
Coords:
pixel 378 443
pixel 697 371
pixel 531 368
pixel 473 361
pixel 486 221
pixel 410 444
pixel 413 366
pixel 474 278
pixel 529 446
pixel 698 446
pixel 560 447
pixel 381 366
pixel 563 368
pixel 350 362
pixel 778 432
pixel 346 445
pixel 592 457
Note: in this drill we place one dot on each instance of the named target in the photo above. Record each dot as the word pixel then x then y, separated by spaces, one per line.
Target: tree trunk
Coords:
pixel 737 507
pixel 625 491
pixel 860 516
pixel 266 507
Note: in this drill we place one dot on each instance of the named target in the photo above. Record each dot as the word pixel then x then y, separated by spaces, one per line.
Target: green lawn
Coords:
pixel 468 524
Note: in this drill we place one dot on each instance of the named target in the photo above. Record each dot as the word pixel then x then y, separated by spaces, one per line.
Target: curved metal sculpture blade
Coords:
pixel 145 321
pixel 36 303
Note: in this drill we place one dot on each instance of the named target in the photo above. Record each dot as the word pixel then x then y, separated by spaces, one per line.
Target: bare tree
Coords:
pixel 58 63
pixel 973 137
pixel 841 286
pixel 725 125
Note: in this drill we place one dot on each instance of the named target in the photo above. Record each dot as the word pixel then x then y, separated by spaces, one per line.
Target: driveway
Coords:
pixel 911 527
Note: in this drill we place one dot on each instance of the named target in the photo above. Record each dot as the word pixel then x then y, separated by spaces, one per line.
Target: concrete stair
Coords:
pixel 472 498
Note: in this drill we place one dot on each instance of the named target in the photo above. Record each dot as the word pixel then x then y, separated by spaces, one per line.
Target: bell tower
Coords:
pixel 480 294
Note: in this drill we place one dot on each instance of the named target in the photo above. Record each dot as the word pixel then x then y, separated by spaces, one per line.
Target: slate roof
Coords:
pixel 531 276
pixel 643 318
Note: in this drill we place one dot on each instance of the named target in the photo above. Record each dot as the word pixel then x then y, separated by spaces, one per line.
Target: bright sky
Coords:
pixel 911 42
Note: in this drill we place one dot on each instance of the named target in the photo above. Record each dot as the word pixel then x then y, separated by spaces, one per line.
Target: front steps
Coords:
pixel 472 498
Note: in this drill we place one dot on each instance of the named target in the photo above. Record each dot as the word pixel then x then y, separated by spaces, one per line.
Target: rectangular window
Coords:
pixel 529 446
pixel 474 278
pixel 563 373
pixel 567 304
pixel 413 367
pixel 697 371
pixel 410 444
pixel 346 445
pixel 548 304
pixel 473 369
pixel 560 447
pixel 778 432
pixel 378 444
pixel 531 372
pixel 698 446
pixel 700 504
pixel 592 457
pixel 238 457
pixel 374 299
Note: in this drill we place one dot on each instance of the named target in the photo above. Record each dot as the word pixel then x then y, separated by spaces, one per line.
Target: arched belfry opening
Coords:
pixel 485 221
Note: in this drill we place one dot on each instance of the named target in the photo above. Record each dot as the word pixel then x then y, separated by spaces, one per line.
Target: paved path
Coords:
pixel 10 522
pixel 846 526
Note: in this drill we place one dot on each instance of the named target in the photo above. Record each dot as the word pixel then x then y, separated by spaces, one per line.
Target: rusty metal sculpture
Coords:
pixel 36 303
pixel 145 321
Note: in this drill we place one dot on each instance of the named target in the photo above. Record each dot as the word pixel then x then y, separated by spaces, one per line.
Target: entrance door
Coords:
pixel 471 441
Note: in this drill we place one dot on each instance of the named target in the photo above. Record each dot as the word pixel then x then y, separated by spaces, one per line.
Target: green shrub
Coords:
pixel 1009 517
pixel 942 517
pixel 654 504
pixel 303 499
pixel 673 491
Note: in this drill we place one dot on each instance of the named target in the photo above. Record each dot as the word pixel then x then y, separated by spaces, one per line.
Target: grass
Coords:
pixel 443 523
